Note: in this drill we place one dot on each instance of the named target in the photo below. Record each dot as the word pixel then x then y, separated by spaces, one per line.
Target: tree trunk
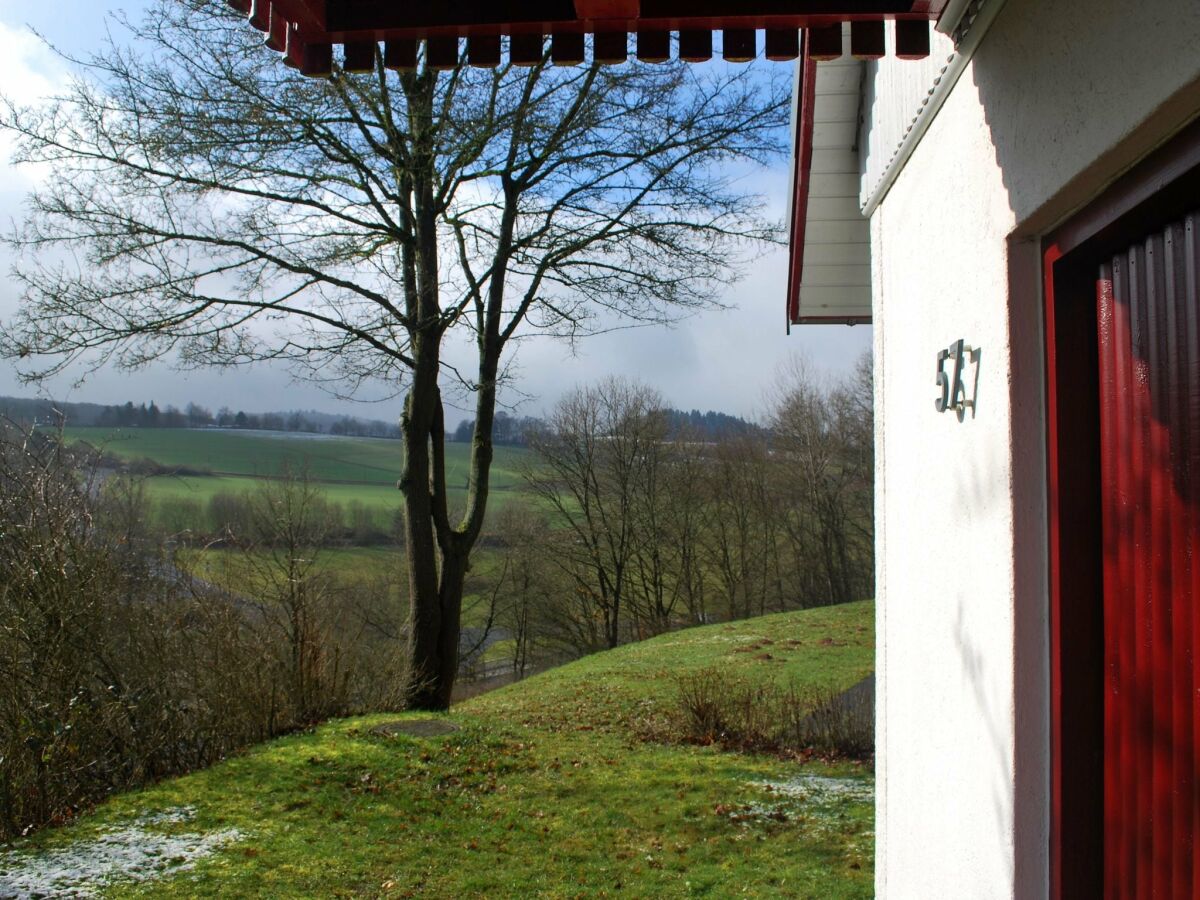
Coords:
pixel 427 688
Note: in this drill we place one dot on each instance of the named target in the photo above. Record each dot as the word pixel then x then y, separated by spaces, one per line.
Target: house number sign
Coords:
pixel 954 394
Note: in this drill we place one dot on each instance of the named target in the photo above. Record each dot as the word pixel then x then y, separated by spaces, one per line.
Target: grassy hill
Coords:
pixel 546 789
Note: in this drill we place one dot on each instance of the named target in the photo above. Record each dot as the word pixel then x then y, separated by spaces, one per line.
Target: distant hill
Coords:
pixel 707 426
pixel 129 415
pixel 509 430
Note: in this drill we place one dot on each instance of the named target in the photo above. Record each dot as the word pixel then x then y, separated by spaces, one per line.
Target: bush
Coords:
pixel 179 516
pixel 717 706
pixel 117 669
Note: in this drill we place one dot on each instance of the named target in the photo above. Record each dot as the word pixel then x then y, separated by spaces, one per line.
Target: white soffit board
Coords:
pixel 836 278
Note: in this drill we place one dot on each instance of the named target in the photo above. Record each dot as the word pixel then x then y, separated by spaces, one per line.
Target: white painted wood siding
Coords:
pixel 894 91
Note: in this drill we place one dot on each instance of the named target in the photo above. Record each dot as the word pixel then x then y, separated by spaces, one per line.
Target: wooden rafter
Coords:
pixel 291 26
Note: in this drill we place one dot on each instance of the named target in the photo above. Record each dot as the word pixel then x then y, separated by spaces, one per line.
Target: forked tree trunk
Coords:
pixel 438 553
pixel 427 688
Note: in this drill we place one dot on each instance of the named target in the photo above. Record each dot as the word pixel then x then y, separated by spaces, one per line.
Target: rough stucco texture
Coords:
pixel 962 791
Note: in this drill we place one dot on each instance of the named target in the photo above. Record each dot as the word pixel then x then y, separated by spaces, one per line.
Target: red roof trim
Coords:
pixel 805 113
pixel 317 24
pixel 341 21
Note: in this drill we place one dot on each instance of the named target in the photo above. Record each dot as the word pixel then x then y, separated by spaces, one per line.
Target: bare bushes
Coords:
pixel 333 640
pixel 657 528
pixel 95 688
pixel 116 669
pixel 716 706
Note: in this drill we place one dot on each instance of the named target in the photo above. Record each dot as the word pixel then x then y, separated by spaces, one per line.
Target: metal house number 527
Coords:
pixel 950 383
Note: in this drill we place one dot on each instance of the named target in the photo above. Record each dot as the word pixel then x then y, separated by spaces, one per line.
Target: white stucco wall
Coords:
pixel 1058 100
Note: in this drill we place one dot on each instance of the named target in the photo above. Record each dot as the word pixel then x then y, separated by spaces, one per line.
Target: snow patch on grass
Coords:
pixel 822 790
pixel 134 852
pixel 819 800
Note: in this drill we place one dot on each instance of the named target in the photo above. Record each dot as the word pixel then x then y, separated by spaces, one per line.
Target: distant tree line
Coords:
pixel 193 415
pixel 510 430
pixel 705 426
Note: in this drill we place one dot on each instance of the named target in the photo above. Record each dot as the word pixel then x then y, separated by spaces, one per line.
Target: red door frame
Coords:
pixel 1166 185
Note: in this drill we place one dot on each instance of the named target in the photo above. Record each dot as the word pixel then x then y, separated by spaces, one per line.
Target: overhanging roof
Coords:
pixel 829 262
pixel 305 31
pixel 828 279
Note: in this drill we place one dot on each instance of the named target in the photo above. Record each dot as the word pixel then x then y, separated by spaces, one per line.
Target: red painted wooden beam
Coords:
pixel 802 156
pixel 317 60
pixel 419 19
pixel 738 44
pixel 277 30
pixel 359 57
pixel 610 47
pixel 607 9
pixel 695 45
pixel 309 15
pixel 526 49
pixel 912 39
pixel 653 46
pixel 824 43
pixel 566 48
pixel 483 50
pixel 260 14
pixel 867 40
pixel 400 55
pixel 442 52
pixel 293 49
pixel 782 44
pixel 356 22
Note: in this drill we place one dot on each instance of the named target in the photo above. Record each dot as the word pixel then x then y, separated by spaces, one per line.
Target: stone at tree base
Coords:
pixel 415 728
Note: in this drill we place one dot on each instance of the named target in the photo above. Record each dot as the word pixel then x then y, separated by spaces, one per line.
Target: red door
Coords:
pixel 1148 324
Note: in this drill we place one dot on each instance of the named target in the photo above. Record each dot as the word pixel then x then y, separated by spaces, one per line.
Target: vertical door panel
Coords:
pixel 1149 358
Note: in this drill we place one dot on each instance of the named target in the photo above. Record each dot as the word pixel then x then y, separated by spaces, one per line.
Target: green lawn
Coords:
pixel 546 791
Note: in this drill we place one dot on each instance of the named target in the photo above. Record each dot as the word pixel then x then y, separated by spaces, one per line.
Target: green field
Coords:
pixel 550 788
pixel 341 562
pixel 328 459
pixel 350 469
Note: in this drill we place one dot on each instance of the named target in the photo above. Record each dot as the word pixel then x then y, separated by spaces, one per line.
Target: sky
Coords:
pixel 725 360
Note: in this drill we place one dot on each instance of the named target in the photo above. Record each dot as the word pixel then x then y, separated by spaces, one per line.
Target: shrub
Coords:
pixel 117 669
pixel 718 706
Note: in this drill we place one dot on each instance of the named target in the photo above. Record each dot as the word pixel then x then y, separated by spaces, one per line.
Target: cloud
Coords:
pixel 32 73
pixel 32 70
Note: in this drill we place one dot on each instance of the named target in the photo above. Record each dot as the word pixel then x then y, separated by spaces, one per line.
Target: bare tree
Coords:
pixel 685 517
pixel 825 436
pixel 207 205
pixel 737 536
pixel 667 513
pixel 595 459
pixel 280 568
pixel 524 588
